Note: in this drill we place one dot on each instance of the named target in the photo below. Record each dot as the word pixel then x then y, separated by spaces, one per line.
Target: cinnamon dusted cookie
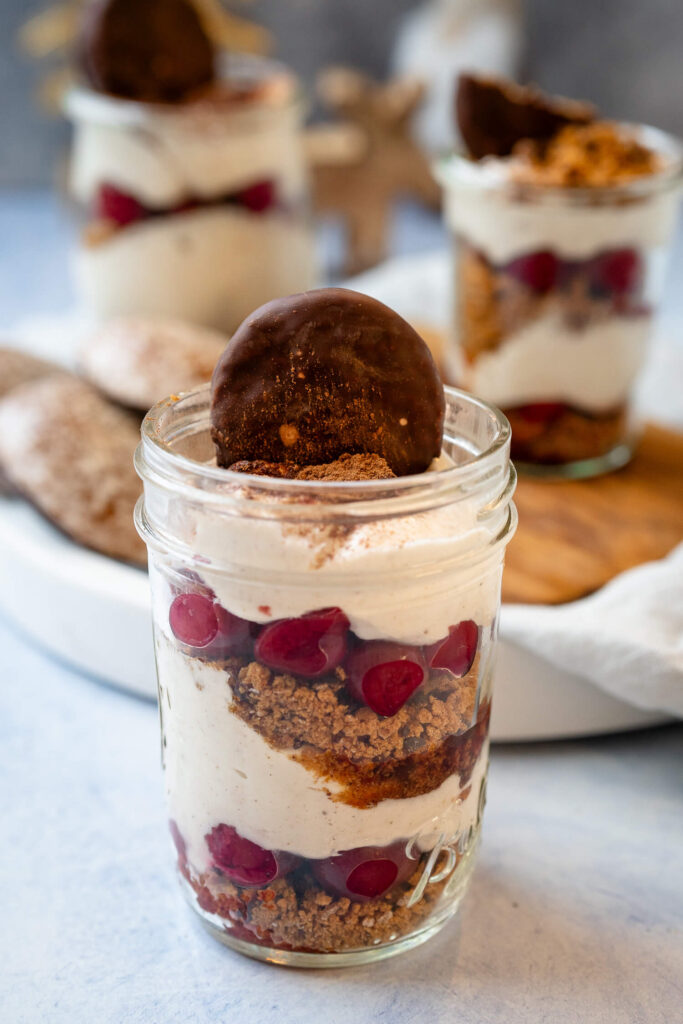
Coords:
pixel 151 50
pixel 71 453
pixel 138 361
pixel 494 114
pixel 328 372
pixel 17 367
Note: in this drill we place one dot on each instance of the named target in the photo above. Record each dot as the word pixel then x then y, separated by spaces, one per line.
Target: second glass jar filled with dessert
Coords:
pixel 195 209
pixel 560 253
pixel 325 654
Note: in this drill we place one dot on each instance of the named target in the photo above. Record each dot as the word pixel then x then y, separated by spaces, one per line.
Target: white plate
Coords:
pixel 94 613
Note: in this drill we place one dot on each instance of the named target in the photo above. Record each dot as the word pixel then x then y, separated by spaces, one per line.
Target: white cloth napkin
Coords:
pixel 628 637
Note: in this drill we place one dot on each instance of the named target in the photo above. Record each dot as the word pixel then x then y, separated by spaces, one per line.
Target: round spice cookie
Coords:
pixel 70 453
pixel 138 361
pixel 151 50
pixel 313 376
pixel 17 367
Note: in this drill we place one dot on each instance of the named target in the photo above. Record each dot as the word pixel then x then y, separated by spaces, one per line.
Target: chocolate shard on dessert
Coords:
pixel 151 50
pixel 330 372
pixel 493 114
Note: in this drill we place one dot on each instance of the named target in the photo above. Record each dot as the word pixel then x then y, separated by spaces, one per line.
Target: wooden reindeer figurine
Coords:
pixel 363 162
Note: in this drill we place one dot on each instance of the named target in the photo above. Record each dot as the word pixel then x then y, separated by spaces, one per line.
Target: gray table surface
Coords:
pixel 574 914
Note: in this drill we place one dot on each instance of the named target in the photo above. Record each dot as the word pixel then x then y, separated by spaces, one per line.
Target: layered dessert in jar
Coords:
pixel 189 169
pixel 562 224
pixel 326 531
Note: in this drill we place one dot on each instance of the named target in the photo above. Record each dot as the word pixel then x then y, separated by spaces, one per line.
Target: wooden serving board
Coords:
pixel 576 535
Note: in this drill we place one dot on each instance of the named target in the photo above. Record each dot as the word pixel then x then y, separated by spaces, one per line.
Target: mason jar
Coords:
pixel 325 658
pixel 197 210
pixel 555 290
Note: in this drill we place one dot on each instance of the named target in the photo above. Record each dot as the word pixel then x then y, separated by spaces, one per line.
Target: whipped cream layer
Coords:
pixel 593 368
pixel 219 770
pixel 210 266
pixel 390 577
pixel 481 207
pixel 164 154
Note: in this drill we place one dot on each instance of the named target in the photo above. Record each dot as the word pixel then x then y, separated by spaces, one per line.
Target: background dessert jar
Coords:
pixel 556 287
pixel 325 654
pixel 195 209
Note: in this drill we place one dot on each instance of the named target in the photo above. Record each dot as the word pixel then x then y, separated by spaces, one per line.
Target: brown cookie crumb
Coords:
pixel 294 913
pixel 349 467
pixel 585 156
pixel 345 468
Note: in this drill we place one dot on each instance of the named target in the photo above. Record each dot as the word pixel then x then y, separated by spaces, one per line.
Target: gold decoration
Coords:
pixel 362 163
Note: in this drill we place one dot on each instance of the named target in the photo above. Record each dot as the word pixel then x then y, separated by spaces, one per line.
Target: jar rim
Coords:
pixel 490 175
pixel 83 103
pixel 486 475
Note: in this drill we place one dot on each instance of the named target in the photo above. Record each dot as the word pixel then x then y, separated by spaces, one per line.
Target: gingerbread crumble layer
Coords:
pixel 294 913
pixel 371 758
pixel 584 156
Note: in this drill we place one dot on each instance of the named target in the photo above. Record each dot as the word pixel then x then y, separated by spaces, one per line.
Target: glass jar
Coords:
pixel 555 291
pixel 325 657
pixel 197 210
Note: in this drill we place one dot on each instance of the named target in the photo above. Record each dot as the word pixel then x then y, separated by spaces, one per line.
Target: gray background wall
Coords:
pixel 625 55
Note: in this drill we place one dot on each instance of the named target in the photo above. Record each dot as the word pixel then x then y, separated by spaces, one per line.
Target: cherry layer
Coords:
pixel 122 208
pixel 614 273
pixel 361 874
pixel 381 674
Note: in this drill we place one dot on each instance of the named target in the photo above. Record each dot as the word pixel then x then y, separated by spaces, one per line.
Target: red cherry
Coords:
pixel 193 619
pixel 112 204
pixel 530 421
pixel 310 645
pixel 258 197
pixel 538 270
pixel 384 675
pixel 617 272
pixel 457 652
pixel 234 634
pixel 244 862
pixel 366 872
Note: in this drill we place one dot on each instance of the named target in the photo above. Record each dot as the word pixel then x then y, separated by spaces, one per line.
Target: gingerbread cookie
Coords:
pixel 71 453
pixel 138 361
pixel 151 50
pixel 18 368
pixel 494 114
pixel 329 372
